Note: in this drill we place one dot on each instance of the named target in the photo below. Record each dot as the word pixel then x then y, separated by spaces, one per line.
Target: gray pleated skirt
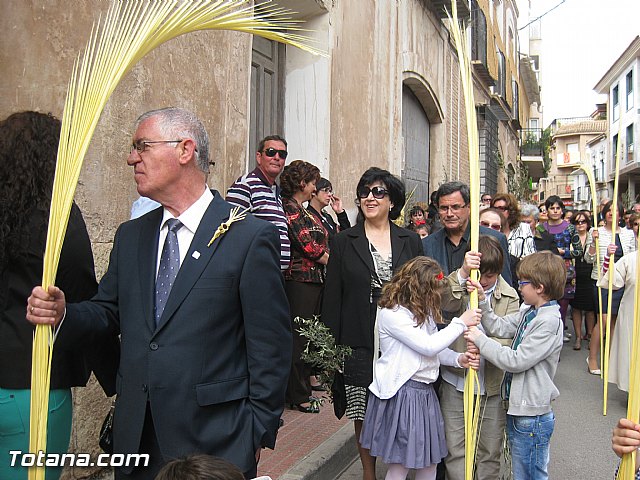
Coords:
pixel 407 428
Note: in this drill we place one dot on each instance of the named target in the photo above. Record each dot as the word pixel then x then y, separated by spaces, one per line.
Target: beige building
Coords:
pixel 621 85
pixel 388 95
pixel 572 140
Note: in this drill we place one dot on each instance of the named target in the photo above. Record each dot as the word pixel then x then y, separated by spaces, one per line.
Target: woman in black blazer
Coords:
pixel 28 145
pixel 363 258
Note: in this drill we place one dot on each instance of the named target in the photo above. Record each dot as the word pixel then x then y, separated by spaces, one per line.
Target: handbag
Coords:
pixel 106 431
pixel 339 395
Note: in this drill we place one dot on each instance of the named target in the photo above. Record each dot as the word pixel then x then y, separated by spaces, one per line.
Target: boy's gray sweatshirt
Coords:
pixel 533 363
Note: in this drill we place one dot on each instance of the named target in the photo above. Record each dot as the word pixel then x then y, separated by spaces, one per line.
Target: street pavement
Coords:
pixel 581 442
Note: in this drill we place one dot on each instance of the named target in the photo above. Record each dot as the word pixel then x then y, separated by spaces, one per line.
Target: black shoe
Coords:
pixel 307 409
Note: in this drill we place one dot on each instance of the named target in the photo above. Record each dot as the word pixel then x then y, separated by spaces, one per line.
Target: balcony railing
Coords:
pixel 562 186
pixel 531 143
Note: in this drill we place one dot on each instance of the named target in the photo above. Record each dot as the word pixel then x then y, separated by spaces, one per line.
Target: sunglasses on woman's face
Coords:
pixel 580 222
pixel 377 192
pixel 492 226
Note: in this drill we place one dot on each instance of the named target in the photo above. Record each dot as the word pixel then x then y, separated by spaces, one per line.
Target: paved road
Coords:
pixel 581 443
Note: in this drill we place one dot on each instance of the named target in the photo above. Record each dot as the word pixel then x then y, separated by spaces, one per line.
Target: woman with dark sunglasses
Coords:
pixel 582 301
pixel 363 258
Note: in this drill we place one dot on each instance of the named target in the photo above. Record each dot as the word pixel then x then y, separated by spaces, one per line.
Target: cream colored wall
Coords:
pixel 362 95
pixel 376 47
pixel 203 72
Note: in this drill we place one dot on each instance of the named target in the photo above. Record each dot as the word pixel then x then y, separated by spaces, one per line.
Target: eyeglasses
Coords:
pixel 522 283
pixel 580 222
pixel 326 190
pixel 142 146
pixel 453 208
pixel 503 208
pixel 493 226
pixel 377 192
pixel 486 200
pixel 271 152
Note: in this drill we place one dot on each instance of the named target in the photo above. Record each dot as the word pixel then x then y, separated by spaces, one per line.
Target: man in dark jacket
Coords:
pixel 449 244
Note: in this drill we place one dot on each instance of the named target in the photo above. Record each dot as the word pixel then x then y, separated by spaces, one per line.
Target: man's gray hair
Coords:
pixel 176 123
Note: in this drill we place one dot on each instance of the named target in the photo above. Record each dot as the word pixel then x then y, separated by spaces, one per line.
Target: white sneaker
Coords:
pixel 566 338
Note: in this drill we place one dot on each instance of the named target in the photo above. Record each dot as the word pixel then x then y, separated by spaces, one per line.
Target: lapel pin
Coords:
pixel 196 254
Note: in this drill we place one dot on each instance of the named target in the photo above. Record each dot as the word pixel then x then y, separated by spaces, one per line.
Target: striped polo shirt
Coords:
pixel 254 191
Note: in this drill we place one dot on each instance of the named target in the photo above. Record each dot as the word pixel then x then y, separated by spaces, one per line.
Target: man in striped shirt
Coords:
pixel 258 190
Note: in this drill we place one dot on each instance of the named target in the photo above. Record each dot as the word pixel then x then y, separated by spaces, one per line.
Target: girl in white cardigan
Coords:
pixel 403 423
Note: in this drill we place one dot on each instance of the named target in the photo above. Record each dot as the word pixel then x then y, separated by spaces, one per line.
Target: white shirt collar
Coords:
pixel 192 216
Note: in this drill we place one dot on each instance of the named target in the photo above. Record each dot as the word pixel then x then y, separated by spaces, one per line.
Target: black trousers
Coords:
pixel 149 445
pixel 304 301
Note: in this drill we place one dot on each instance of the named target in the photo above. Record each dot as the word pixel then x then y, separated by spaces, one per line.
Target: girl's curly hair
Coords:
pixel 417 286
pixel 28 149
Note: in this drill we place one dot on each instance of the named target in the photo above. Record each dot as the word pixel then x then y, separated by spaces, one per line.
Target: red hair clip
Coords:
pixel 440 276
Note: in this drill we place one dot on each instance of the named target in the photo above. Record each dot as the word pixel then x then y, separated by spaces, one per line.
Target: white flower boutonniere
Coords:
pixel 234 216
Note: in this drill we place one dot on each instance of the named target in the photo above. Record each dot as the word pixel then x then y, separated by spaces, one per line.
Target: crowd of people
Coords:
pixel 203 290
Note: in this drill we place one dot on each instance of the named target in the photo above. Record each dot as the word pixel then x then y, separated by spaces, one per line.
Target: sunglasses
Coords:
pixel 580 222
pixel 326 190
pixel 503 208
pixel 271 152
pixel 492 226
pixel 377 192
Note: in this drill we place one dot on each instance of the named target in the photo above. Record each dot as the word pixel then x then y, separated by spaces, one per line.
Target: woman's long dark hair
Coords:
pixel 28 150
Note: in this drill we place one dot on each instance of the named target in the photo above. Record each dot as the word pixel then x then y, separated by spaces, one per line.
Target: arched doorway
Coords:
pixel 415 131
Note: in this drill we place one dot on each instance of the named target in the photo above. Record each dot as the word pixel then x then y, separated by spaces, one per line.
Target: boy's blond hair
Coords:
pixel 544 269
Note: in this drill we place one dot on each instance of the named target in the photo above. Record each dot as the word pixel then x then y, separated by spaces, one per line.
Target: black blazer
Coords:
pixel 347 291
pixel 329 223
pixel 70 367
pixel 214 371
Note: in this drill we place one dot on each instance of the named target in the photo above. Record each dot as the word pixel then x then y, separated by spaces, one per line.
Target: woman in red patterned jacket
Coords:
pixel 304 278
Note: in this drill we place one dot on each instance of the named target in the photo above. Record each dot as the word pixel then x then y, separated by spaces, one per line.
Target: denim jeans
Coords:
pixel 529 439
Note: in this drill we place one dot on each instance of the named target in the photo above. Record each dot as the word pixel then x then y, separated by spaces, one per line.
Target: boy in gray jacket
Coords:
pixel 531 360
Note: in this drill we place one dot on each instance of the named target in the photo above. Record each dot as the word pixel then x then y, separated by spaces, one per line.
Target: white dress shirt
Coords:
pixel 190 219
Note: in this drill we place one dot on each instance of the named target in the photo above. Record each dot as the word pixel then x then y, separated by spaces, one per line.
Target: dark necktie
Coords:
pixel 169 266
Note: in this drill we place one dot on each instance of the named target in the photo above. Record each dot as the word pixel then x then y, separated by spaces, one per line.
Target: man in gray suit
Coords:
pixel 204 323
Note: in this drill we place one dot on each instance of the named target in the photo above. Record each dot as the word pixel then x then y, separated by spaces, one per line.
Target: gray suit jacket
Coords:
pixel 214 371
